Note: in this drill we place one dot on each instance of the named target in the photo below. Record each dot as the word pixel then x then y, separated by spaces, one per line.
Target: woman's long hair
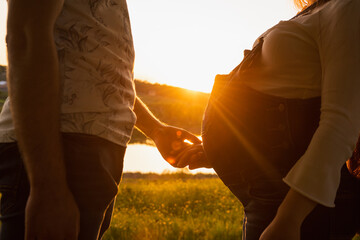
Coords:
pixel 301 4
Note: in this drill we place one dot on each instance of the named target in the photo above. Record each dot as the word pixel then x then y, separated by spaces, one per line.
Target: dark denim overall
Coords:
pixel 253 139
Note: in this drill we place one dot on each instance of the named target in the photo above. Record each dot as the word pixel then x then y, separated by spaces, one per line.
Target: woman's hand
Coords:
pixel 169 140
pixel 175 143
pixel 194 156
pixel 179 147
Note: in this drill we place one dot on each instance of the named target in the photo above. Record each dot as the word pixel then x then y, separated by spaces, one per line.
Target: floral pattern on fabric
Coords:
pixel 96 59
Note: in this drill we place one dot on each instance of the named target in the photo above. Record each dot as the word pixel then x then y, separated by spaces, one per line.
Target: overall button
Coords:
pixel 281 107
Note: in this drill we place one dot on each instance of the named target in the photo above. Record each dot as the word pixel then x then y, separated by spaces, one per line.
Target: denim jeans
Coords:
pixel 254 143
pixel 94 168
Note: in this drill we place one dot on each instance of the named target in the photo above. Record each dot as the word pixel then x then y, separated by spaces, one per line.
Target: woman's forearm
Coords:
pixel 291 214
pixel 295 207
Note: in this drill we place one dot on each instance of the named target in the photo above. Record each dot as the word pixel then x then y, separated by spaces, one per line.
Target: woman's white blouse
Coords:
pixel 318 54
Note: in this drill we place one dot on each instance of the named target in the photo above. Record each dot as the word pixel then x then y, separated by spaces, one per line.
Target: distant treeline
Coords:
pixel 172 105
pixel 2 68
pixel 184 175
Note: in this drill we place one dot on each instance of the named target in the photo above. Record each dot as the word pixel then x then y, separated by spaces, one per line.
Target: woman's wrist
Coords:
pixel 294 208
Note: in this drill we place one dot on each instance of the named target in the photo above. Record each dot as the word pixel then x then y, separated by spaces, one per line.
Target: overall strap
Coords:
pixel 248 58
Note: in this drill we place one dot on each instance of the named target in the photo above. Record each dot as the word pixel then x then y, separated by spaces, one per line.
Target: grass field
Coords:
pixel 175 209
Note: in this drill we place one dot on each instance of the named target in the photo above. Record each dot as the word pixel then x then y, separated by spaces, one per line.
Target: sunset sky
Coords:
pixel 186 43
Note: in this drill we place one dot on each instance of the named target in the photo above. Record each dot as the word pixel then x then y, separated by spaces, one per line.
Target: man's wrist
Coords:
pixel 49 184
pixel 155 130
pixel 47 176
pixel 146 121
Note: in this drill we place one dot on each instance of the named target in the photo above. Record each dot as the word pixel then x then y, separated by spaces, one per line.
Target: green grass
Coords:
pixel 175 209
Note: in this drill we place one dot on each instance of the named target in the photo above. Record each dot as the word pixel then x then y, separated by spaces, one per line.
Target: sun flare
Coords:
pixel 186 43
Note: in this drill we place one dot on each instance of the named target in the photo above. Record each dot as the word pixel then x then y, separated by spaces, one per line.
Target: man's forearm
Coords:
pixel 172 142
pixel 146 121
pixel 34 90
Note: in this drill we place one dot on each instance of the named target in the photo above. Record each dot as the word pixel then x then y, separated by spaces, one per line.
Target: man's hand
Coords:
pixel 173 142
pixel 194 156
pixel 169 140
pixel 52 215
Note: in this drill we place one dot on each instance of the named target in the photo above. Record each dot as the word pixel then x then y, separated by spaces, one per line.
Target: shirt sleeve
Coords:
pixel 316 174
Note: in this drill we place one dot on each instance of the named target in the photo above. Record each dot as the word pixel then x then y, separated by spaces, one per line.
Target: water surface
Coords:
pixel 145 158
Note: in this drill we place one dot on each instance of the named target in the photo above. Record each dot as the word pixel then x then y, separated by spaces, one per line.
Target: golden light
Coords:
pixel 176 145
pixel 178 134
pixel 171 160
pixel 184 44
pixel 187 141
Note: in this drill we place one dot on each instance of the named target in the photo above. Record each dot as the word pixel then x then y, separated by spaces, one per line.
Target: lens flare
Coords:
pixel 187 141
pixel 176 145
pixel 171 160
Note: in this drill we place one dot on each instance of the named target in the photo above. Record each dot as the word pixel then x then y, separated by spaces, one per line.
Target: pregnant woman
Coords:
pixel 280 127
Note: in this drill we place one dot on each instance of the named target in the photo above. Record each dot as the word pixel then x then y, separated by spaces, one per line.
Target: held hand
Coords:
pixel 170 142
pixel 51 216
pixel 194 156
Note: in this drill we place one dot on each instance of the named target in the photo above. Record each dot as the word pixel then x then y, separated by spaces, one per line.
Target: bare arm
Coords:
pixel 318 172
pixel 34 88
pixel 291 213
pixel 34 85
pixel 168 139
pixel 146 121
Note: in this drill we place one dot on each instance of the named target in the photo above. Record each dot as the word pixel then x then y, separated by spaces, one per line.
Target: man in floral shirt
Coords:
pixel 73 108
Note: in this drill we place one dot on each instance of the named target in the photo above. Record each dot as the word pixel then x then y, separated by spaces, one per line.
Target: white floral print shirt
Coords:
pixel 96 57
